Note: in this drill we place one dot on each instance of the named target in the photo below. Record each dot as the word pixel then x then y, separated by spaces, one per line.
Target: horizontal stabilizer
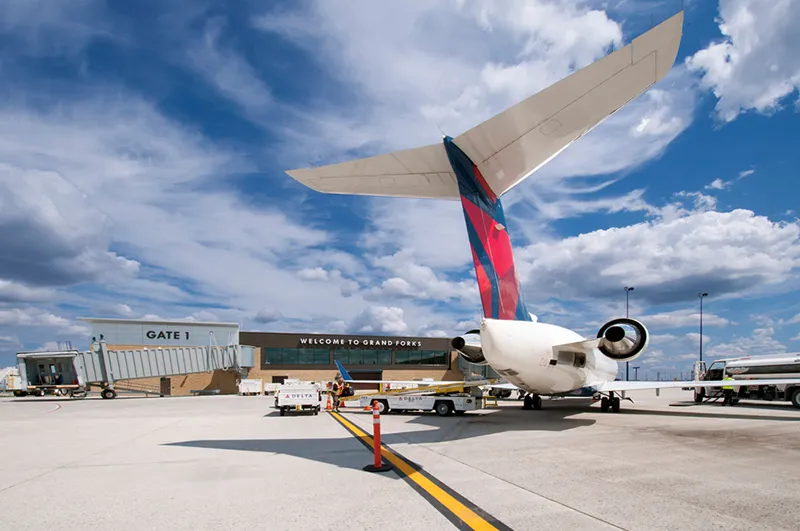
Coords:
pixel 423 172
pixel 510 146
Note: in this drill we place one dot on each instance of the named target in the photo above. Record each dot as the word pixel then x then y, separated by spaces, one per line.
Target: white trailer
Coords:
pixel 443 405
pixel 751 369
pixel 10 381
pixel 298 397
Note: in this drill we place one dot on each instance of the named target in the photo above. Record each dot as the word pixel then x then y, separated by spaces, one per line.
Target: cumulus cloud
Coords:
pixel 422 282
pixel 32 317
pixel 150 177
pixel 756 65
pixel 49 233
pixel 682 318
pixel 380 320
pixel 18 292
pixel 668 261
pixel 760 342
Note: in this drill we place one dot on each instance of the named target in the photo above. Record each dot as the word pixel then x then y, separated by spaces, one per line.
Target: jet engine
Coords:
pixel 623 339
pixel 469 347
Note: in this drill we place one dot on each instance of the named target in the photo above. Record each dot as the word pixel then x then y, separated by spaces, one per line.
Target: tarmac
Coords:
pixel 231 462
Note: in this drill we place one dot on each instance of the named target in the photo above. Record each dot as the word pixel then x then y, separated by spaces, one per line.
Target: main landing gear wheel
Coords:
pixel 699 396
pixel 612 402
pixel 532 402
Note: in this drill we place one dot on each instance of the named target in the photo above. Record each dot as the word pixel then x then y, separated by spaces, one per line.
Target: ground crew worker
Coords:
pixel 728 391
pixel 338 389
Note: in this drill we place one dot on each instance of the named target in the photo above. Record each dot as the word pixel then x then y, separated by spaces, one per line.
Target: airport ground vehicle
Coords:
pixel 10 381
pixel 298 397
pixel 443 405
pixel 750 370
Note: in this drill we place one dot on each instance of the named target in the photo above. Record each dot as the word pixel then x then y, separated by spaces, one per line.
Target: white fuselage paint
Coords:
pixel 521 351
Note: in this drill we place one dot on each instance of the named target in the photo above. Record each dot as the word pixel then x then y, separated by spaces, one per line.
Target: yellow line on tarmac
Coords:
pixel 464 513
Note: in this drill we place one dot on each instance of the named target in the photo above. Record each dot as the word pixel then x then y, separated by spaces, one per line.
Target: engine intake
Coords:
pixel 623 339
pixel 469 347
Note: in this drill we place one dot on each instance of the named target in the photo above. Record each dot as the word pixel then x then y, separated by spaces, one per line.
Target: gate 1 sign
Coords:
pixel 164 333
pixel 170 334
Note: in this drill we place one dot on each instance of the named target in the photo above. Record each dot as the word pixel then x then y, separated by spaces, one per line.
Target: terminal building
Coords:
pixel 277 355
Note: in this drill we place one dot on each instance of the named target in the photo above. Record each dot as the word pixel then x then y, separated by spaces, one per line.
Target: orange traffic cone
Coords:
pixel 329 406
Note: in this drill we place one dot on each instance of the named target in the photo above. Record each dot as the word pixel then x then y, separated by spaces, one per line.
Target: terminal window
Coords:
pixel 296 356
pixel 421 357
pixel 363 357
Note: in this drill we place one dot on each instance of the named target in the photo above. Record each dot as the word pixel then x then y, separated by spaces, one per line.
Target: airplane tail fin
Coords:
pixel 480 165
pixel 510 146
pixel 492 254
pixel 345 375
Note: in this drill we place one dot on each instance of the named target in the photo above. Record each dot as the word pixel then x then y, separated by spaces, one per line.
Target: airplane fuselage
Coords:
pixel 522 353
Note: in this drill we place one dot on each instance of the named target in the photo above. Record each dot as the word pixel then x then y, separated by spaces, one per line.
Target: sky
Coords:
pixel 143 148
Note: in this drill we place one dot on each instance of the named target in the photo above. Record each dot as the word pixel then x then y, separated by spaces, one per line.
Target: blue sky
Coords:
pixel 142 152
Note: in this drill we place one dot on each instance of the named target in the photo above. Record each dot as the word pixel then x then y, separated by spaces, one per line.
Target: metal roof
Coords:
pixel 47 353
pixel 152 321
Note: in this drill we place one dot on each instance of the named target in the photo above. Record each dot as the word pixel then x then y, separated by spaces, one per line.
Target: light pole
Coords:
pixel 701 295
pixel 627 363
pixel 637 373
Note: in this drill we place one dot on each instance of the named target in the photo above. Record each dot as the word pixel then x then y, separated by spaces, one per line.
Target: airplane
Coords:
pixel 487 161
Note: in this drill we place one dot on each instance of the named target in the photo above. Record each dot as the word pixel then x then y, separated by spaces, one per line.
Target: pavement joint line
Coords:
pixel 511 483
pixel 461 512
pixel 93 454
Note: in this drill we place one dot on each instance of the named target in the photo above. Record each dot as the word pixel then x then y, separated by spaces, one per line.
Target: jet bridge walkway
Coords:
pixel 73 371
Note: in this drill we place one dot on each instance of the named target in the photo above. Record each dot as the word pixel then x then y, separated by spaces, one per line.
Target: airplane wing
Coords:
pixel 634 386
pixel 510 146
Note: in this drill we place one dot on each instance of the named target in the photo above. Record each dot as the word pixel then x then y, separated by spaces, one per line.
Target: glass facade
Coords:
pixel 352 357
pixel 421 357
pixel 363 357
pixel 296 356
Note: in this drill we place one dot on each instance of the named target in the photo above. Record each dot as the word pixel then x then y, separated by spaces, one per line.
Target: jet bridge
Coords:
pixel 73 372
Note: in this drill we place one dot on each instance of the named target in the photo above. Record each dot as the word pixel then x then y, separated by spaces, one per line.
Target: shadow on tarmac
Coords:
pixel 554 416
pixel 345 452
pixel 349 452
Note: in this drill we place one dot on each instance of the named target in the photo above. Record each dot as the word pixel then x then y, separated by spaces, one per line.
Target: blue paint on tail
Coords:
pixel 345 375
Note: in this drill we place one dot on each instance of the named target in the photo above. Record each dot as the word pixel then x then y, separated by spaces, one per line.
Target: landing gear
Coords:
pixel 610 401
pixel 532 402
